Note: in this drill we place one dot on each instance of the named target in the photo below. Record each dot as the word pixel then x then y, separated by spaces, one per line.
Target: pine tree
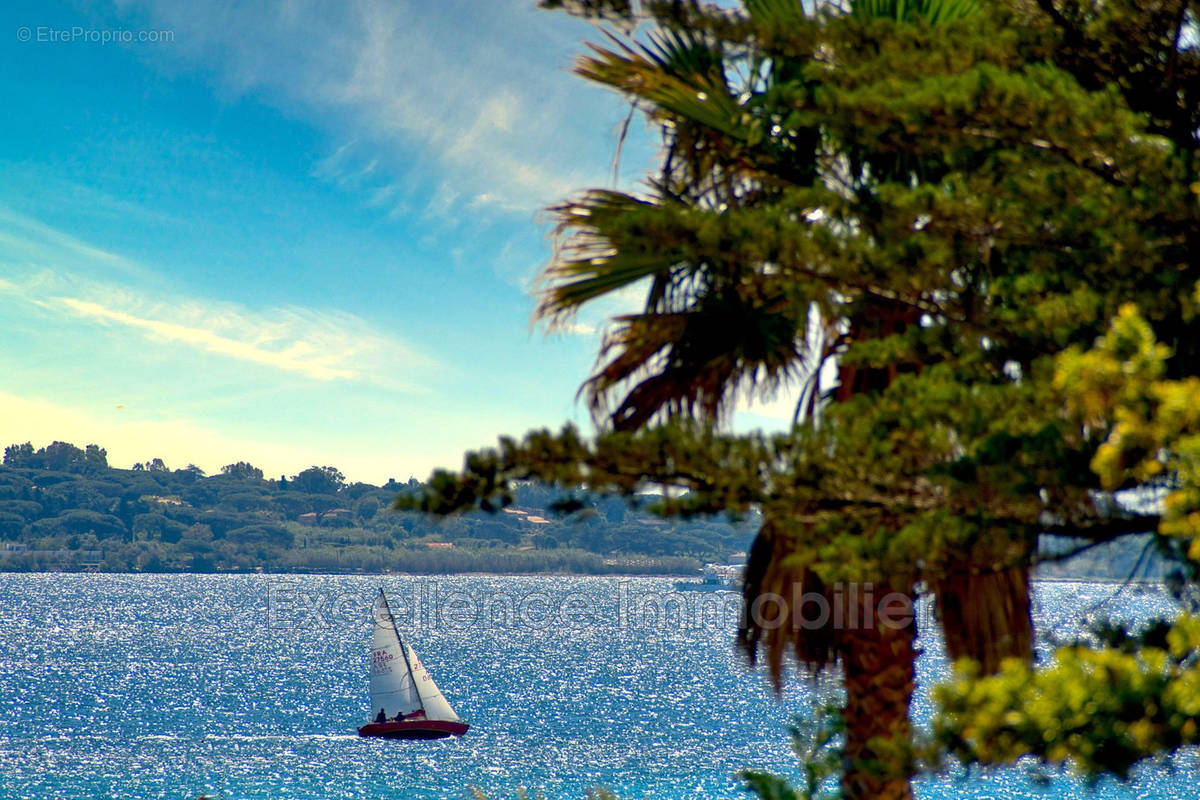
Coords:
pixel 988 216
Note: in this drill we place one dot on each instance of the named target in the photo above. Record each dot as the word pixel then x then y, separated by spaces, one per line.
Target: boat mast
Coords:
pixel 403 650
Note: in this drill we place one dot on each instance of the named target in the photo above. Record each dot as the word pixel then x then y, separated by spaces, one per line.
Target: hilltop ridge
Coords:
pixel 64 508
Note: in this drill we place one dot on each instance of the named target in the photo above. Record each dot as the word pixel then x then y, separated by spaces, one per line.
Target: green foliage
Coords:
pixel 242 470
pixel 817 745
pixel 990 213
pixel 58 456
pixel 11 525
pixel 156 527
pixel 274 535
pixel 929 11
pixel 1096 709
pixel 179 520
pixel 319 480
pixel 1148 425
pixel 78 521
pixel 366 508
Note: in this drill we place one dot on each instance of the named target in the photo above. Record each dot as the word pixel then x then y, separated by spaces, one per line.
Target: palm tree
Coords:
pixel 741 242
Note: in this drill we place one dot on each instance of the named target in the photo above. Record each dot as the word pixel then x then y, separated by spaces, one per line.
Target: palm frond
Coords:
pixel 676 72
pixel 776 13
pixel 929 11
pixel 588 264
pixel 771 573
pixel 692 362
pixel 986 615
pixel 588 279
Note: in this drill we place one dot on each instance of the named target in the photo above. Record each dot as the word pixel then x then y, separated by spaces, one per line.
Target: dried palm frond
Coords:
pixel 985 614
pixel 770 587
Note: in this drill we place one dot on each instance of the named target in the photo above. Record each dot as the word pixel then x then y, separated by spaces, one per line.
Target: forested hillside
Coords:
pixel 63 507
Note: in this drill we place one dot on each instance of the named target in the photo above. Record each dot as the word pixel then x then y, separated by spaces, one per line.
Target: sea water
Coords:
pixel 157 686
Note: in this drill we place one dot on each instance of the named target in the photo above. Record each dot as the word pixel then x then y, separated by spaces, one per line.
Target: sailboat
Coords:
pixel 405 702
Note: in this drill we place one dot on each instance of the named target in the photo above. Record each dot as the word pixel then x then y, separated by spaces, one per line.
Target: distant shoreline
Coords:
pixel 1130 581
pixel 63 509
pixel 499 574
pixel 549 574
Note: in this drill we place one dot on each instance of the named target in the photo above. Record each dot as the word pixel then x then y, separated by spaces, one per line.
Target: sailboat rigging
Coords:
pixel 405 701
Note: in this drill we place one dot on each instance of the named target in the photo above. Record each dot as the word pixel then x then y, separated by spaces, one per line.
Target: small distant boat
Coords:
pixel 714 578
pixel 405 702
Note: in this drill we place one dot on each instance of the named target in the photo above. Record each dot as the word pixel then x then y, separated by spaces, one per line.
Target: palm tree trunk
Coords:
pixel 879 665
pixel 878 661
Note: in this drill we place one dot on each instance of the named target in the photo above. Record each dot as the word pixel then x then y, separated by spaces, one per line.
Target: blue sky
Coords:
pixel 293 233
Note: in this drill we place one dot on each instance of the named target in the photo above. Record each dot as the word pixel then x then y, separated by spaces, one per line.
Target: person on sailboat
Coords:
pixel 381 716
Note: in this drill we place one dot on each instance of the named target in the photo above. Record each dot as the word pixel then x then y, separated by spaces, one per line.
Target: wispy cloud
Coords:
pixel 28 242
pixel 324 346
pixel 498 117
pixel 59 276
pixel 294 356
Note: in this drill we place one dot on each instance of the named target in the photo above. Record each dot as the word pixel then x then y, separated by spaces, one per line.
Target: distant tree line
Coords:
pixel 59 456
pixel 64 507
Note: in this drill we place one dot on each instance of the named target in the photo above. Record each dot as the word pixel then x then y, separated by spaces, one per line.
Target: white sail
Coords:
pixel 435 704
pixel 392 687
pixel 400 684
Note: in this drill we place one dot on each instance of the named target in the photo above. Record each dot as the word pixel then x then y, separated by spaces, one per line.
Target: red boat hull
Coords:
pixel 414 729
